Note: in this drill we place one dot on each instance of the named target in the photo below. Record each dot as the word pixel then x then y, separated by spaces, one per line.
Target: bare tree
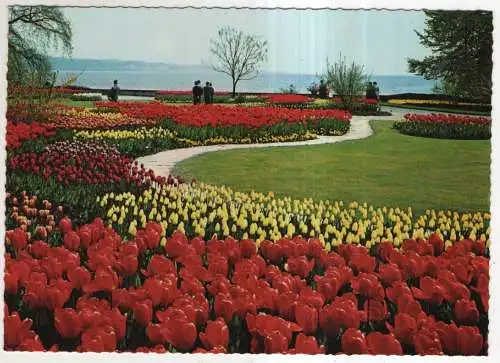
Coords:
pixel 238 55
pixel 346 81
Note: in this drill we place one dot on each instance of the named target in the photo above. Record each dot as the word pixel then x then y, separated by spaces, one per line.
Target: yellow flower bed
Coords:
pixel 138 133
pixel 204 210
pixel 426 102
pixel 162 133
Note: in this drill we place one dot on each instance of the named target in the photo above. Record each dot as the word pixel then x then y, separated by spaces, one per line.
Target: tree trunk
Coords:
pixel 234 89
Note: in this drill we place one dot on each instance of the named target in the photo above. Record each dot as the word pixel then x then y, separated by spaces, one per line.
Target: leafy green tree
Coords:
pixel 461 43
pixel 238 55
pixel 33 30
pixel 347 81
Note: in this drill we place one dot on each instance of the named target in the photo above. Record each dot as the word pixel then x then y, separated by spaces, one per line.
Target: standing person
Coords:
pixel 197 92
pixel 369 88
pixel 206 93
pixel 377 91
pixel 212 92
pixel 322 90
pixel 113 92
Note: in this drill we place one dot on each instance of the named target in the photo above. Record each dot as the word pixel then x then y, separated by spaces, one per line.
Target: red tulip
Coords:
pixel 405 327
pixel 179 332
pixel 430 290
pixel 339 314
pixel 466 312
pixel 16 331
pixel 248 248
pixel 427 342
pixel 307 345
pixel 67 323
pixel 65 225
pixel 375 310
pixel 18 238
pixel 11 281
pixel 448 335
pixel 216 334
pixel 31 345
pixel 176 244
pixel 275 342
pixel 224 307
pixel 307 317
pixel 300 266
pixel 354 342
pixel 71 240
pixel 129 264
pixel 469 341
pixel 385 344
pixel 79 276
pixel 389 274
pixel 143 312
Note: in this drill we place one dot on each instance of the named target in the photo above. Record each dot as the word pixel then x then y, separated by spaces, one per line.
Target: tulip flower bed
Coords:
pixel 74 173
pixel 443 105
pixel 168 135
pixel 96 119
pixel 18 133
pixel 287 100
pixel 86 289
pixel 76 162
pixel 204 210
pixel 215 115
pixel 445 126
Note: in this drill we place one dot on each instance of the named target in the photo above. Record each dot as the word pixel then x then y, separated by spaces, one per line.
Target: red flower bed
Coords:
pixel 77 162
pixel 447 119
pixel 188 93
pixel 17 133
pixel 288 98
pixel 215 115
pixel 85 289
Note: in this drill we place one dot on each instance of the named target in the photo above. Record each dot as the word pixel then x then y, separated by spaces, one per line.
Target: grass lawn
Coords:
pixel 438 109
pixel 386 169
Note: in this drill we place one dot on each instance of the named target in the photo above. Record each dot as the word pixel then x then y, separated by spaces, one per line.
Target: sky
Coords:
pixel 300 41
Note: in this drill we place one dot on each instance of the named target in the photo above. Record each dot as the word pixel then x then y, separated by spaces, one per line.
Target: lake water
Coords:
pixel 266 82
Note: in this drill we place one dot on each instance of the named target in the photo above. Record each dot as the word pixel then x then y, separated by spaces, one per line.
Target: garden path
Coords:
pixel 163 162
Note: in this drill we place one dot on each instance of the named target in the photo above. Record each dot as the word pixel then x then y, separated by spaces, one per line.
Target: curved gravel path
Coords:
pixel 163 162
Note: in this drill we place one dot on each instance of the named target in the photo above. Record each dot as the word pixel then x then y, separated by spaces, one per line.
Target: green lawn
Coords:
pixel 386 169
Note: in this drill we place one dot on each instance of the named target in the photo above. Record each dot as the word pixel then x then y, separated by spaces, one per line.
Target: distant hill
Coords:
pixel 81 64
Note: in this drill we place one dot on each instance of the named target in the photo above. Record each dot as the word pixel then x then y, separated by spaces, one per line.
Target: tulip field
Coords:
pixel 104 255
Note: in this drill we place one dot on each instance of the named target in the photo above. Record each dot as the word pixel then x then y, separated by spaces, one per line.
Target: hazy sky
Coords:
pixel 299 40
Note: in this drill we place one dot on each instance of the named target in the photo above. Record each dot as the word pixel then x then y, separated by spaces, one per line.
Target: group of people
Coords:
pixel 372 91
pixel 207 92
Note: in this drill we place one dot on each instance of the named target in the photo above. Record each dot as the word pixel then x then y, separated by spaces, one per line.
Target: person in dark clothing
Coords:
pixel 322 90
pixel 377 91
pixel 113 92
pixel 212 92
pixel 197 92
pixel 206 93
pixel 370 91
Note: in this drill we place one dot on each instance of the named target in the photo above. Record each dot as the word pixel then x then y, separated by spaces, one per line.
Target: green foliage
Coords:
pixel 238 55
pixel 461 43
pixel 346 81
pixel 444 131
